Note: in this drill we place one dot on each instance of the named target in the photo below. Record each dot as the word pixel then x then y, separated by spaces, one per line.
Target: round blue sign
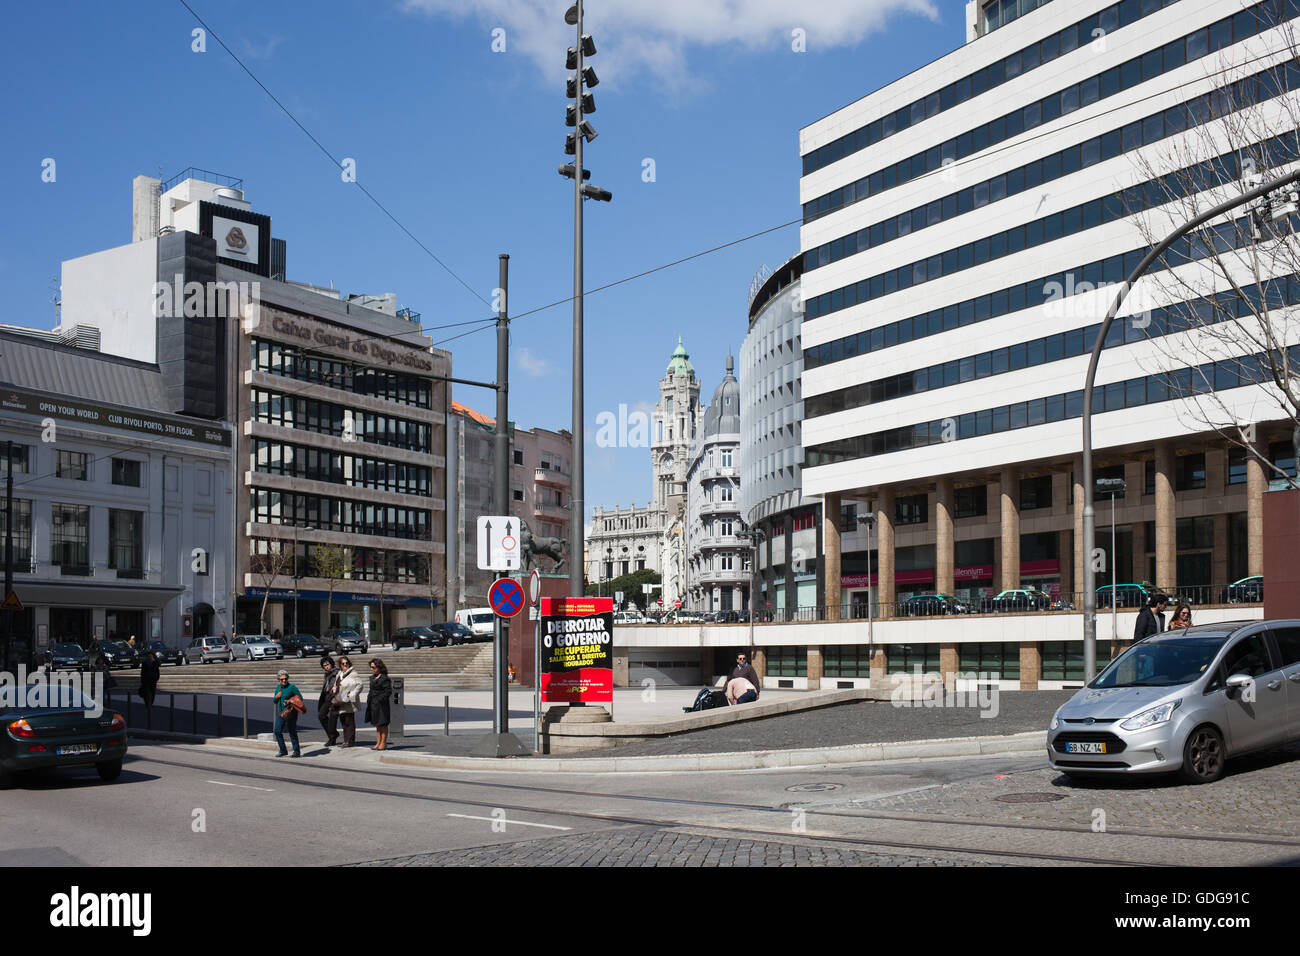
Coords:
pixel 506 597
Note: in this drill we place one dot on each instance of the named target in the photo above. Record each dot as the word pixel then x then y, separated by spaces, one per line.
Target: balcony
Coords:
pixel 548 476
pixel 714 576
pixel 723 507
pixel 722 541
pixel 550 512
pixel 76 570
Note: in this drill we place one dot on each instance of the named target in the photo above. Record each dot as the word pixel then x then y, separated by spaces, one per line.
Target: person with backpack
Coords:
pixel 288 705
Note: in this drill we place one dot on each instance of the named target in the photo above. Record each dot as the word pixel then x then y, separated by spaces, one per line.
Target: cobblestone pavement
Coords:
pixel 1259 796
pixel 857 723
pixel 657 846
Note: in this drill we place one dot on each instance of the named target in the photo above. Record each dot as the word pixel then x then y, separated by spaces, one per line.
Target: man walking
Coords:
pixel 1151 619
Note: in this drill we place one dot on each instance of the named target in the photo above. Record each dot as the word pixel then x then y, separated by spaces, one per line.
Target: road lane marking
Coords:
pixel 241 786
pixel 515 823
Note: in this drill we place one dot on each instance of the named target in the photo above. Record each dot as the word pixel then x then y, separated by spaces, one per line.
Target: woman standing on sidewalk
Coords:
pixel 347 697
pixel 378 710
pixel 288 705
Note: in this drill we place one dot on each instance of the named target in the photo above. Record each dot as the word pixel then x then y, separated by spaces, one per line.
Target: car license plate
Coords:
pixel 1085 748
pixel 77 749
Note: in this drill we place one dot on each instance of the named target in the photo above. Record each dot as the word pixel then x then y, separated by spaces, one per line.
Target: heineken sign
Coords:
pixel 109 416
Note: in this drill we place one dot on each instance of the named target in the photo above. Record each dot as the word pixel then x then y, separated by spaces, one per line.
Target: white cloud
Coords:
pixel 633 35
pixel 534 365
pixel 263 51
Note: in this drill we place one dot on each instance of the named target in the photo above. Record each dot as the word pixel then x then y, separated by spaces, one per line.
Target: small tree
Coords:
pixel 333 562
pixel 268 559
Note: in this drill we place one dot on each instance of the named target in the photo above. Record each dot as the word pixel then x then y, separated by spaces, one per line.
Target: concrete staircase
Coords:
pixel 465 667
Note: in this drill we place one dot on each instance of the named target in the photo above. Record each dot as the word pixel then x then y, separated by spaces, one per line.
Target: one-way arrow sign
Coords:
pixel 498 546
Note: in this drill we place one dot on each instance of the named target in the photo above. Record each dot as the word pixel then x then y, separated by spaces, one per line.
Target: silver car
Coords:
pixel 1184 701
pixel 255 647
pixel 205 650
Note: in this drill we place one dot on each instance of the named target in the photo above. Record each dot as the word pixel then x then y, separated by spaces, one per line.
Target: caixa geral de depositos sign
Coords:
pixel 577 652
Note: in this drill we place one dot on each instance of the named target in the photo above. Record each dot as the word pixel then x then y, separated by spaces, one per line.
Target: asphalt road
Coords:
pixel 181 805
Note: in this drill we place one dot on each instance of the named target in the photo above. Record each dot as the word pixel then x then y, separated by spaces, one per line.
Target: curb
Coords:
pixel 1033 741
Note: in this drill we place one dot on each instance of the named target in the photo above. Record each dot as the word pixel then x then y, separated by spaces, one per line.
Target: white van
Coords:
pixel 480 620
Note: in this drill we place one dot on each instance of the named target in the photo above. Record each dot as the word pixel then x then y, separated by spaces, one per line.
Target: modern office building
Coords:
pixel 955 222
pixel 121 509
pixel 719 560
pixel 788 571
pixel 339 404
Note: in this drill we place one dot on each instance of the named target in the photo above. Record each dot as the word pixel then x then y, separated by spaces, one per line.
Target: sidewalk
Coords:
pixel 850 732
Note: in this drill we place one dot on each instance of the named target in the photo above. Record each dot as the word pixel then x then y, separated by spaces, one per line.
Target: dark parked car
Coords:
pixel 1246 591
pixel 925 605
pixel 64 657
pixel 452 633
pixel 165 653
pixel 344 640
pixel 416 638
pixel 49 726
pixel 1020 599
pixel 119 654
pixel 303 645
pixel 726 617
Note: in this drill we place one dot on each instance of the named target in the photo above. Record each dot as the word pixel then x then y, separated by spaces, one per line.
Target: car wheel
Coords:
pixel 300 652
pixel 1204 756
pixel 109 770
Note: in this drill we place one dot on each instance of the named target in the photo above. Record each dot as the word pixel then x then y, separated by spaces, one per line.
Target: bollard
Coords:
pixel 219 699
pixel 194 712
pixel 446 715
pixel 245 717
pixel 128 710
pixel 171 711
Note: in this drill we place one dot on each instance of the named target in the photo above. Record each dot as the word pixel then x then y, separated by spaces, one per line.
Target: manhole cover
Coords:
pixel 1029 797
pixel 812 787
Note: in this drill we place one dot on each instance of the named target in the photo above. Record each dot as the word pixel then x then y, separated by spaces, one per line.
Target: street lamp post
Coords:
pixel 583 133
pixel 1114 487
pixel 1089 514
pixel 755 537
pixel 868 521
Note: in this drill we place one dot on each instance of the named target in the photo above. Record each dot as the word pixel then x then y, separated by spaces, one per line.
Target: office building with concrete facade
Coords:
pixel 339 403
pixel 943 392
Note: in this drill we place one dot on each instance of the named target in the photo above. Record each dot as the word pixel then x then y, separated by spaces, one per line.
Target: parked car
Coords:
pixel 344 640
pixel 629 617
pixel 1246 591
pixel 165 653
pixel 303 645
pixel 925 605
pixel 742 617
pixel 52 729
pixel 119 654
pixel 416 638
pixel 1020 599
pixel 64 657
pixel 1126 595
pixel 1183 701
pixel 205 650
pixel 451 633
pixel 255 647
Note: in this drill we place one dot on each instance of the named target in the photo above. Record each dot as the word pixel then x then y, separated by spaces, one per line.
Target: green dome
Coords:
pixel 680 363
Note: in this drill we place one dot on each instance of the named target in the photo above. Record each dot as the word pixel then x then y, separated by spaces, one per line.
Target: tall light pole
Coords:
pixel 868 521
pixel 1113 487
pixel 583 133
pixel 1089 514
pixel 755 537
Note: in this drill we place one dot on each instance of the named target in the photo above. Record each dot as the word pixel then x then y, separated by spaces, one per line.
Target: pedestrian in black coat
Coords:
pixel 746 670
pixel 150 671
pixel 1151 619
pixel 379 703
pixel 326 712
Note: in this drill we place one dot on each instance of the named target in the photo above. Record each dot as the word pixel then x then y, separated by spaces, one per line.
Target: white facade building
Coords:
pixel 719 561
pixel 948 218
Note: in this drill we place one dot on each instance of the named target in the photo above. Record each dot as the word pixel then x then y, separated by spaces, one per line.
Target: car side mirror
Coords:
pixel 1238 682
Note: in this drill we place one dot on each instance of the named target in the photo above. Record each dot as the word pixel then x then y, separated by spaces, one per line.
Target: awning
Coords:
pixel 118 594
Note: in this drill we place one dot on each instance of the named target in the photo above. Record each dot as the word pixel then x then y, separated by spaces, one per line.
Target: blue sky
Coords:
pixel 461 144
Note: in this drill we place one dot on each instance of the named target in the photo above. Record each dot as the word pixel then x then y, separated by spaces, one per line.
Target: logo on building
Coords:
pixel 235 238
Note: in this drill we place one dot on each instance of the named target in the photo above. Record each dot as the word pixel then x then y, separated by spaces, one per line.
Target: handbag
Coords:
pixel 296 702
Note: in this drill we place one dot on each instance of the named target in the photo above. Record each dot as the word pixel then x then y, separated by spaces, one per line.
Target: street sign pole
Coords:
pixel 534 597
pixel 9 554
